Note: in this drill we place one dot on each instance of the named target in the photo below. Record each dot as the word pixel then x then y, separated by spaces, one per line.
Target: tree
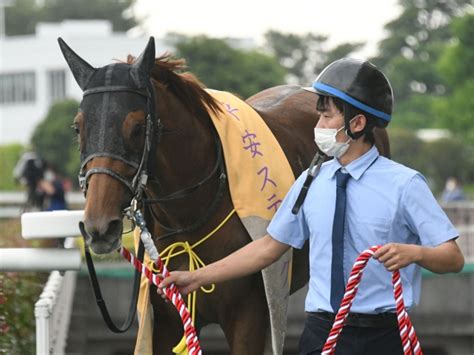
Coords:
pixel 409 55
pixel 406 148
pixel 304 56
pixel 447 157
pixel 455 64
pixel 21 18
pixel 223 67
pixel 113 11
pixel 55 141
pixel 436 160
pixel 455 110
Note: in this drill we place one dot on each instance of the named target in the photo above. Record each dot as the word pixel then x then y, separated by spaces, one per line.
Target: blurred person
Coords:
pixel 53 188
pixel 29 171
pixel 453 190
pixel 359 199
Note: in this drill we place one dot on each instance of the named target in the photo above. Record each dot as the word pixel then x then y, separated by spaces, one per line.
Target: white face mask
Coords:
pixel 49 175
pixel 325 139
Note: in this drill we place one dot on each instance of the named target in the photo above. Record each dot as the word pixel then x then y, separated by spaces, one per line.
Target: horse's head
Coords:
pixel 114 125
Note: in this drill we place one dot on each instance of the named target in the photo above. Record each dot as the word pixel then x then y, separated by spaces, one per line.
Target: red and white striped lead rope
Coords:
pixel 411 345
pixel 172 293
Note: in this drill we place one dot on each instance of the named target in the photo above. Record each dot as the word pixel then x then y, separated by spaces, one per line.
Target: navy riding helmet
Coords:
pixel 358 83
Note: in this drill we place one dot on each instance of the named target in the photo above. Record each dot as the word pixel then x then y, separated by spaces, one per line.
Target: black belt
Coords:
pixel 380 320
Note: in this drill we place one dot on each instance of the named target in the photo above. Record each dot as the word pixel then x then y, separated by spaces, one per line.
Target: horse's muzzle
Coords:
pixel 102 240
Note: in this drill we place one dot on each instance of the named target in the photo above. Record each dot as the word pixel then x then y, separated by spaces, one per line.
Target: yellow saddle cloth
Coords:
pixel 259 177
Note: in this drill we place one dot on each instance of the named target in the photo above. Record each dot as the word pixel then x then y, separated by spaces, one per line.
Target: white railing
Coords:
pixel 461 215
pixel 12 202
pixel 53 309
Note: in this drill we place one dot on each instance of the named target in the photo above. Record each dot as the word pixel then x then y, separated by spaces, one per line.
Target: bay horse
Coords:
pixel 145 115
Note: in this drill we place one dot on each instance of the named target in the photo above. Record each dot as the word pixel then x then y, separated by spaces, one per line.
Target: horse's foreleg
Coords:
pixel 167 327
pixel 247 319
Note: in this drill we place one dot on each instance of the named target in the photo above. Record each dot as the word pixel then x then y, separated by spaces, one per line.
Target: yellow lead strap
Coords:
pixel 195 263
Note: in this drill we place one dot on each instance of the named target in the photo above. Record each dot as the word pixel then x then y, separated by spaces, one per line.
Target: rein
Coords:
pixel 219 168
pixel 98 294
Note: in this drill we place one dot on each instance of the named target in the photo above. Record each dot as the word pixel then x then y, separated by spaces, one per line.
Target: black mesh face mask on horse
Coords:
pixel 110 94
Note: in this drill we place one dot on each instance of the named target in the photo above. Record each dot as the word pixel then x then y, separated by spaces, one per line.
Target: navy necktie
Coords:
pixel 337 271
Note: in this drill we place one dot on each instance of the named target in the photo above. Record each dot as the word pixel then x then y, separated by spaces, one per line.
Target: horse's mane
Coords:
pixel 185 86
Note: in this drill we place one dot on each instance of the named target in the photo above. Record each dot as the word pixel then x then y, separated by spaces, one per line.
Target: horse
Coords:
pixel 146 114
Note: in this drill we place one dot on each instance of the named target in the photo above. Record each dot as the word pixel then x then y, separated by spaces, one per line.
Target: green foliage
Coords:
pixel 409 55
pixel 406 148
pixel 55 141
pixel 437 160
pixel 22 17
pixel 455 64
pixel 18 294
pixel 222 67
pixel 447 157
pixel 303 56
pixel 416 113
pixel 455 110
pixel 9 156
pixel 90 9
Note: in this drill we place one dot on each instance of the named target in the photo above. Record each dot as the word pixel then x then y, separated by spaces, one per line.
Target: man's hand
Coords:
pixel 247 260
pixel 184 280
pixel 395 256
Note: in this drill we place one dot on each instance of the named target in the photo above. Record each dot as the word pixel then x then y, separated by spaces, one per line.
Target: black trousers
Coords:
pixel 353 340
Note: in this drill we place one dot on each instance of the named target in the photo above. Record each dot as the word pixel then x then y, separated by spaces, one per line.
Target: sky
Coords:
pixel 341 20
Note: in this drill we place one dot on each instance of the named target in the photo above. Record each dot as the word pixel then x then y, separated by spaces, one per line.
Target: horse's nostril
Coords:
pixel 114 228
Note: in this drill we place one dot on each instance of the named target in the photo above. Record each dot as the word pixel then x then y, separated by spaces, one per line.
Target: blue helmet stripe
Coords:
pixel 343 96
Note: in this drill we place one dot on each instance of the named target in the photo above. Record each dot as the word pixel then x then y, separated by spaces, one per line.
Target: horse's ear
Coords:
pixel 81 70
pixel 143 66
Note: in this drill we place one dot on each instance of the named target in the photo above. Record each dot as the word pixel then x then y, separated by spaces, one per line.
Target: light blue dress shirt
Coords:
pixel 386 202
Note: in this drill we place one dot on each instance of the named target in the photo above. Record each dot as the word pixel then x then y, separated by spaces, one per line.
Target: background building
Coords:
pixel 34 74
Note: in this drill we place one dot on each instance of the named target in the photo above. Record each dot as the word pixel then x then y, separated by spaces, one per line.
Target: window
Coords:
pixel 17 87
pixel 56 85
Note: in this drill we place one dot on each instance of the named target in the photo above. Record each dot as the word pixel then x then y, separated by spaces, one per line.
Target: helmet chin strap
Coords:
pixel 347 124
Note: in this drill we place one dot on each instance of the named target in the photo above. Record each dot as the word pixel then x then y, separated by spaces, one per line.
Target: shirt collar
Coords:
pixel 356 167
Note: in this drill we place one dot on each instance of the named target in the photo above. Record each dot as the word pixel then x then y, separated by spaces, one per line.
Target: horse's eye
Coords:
pixel 75 127
pixel 138 130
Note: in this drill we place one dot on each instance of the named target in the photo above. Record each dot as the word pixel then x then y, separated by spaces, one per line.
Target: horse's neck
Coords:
pixel 185 155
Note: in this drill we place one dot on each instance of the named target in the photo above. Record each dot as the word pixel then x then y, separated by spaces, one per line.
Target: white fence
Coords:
pixel 12 202
pixel 53 312
pixel 461 215
pixel 53 309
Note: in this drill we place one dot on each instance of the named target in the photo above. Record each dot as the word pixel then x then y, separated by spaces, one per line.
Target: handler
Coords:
pixel 359 199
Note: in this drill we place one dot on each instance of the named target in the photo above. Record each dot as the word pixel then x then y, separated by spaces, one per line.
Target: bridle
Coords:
pixel 137 187
pixel 219 167
pixel 138 182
